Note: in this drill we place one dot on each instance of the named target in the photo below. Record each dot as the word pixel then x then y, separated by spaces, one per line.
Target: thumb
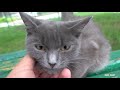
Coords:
pixel 66 73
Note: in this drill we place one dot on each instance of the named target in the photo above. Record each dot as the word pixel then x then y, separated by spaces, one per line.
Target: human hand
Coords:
pixel 26 69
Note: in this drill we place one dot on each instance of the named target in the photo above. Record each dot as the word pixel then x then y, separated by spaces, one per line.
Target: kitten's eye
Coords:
pixel 39 47
pixel 65 48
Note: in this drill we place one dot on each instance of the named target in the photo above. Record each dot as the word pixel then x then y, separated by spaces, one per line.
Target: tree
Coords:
pixel 1 14
pixel 67 15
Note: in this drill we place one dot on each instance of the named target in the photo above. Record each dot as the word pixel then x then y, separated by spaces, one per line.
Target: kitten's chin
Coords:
pixel 53 71
pixel 48 70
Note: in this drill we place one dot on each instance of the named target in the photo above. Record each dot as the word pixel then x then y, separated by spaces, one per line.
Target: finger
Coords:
pixel 55 76
pixel 65 73
pixel 38 73
pixel 25 64
pixel 44 75
pixel 27 60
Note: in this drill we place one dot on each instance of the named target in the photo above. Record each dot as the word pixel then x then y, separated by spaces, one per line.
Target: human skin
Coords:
pixel 26 69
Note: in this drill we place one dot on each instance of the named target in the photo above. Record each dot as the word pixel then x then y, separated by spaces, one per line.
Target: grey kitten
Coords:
pixel 78 45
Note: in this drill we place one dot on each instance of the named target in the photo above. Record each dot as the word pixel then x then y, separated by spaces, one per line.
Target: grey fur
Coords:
pixel 89 49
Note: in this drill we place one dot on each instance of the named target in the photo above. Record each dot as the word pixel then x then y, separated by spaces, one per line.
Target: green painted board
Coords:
pixel 8 61
pixel 111 68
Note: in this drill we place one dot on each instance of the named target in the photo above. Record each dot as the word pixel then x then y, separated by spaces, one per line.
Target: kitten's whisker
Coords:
pixel 78 59
pixel 41 63
pixel 62 63
pixel 74 67
pixel 74 62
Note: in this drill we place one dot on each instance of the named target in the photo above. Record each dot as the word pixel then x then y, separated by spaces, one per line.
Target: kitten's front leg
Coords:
pixel 79 71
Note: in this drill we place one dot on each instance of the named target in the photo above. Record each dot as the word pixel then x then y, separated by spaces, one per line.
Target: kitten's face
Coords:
pixel 54 45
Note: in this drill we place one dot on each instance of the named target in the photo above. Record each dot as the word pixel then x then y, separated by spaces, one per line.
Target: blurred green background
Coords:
pixel 12 38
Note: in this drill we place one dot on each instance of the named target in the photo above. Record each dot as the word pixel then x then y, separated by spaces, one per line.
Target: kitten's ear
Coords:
pixel 30 22
pixel 75 27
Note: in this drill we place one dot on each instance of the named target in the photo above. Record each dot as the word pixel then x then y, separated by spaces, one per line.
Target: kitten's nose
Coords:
pixel 52 64
pixel 52 59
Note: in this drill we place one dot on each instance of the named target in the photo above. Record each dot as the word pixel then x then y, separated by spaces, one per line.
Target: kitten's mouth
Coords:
pixel 53 71
pixel 48 70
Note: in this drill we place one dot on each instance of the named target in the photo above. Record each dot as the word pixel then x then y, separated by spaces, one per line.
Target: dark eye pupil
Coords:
pixel 39 47
pixel 65 47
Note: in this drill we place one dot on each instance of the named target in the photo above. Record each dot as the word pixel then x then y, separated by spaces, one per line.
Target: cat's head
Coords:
pixel 54 44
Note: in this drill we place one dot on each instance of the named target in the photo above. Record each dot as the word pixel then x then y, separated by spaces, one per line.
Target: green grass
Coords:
pixel 3 20
pixel 13 38
pixel 94 13
pixel 109 24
